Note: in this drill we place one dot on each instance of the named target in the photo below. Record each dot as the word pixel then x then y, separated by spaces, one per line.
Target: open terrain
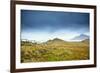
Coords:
pixel 54 50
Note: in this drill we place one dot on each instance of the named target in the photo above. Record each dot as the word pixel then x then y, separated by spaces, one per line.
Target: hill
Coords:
pixel 80 37
pixel 86 41
pixel 56 40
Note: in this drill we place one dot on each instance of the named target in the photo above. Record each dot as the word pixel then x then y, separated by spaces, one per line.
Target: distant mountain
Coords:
pixel 80 37
pixel 56 41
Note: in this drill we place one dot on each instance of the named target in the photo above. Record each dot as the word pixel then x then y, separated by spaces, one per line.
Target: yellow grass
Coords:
pixel 33 52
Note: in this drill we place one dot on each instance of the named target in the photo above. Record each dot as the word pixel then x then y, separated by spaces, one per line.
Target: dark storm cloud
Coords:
pixel 52 20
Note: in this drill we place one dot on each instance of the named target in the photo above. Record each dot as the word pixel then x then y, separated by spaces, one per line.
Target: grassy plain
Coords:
pixel 54 50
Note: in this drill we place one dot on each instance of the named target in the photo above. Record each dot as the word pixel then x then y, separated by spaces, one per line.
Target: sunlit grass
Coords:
pixel 33 52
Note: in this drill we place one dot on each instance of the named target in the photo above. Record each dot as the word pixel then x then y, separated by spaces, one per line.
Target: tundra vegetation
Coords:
pixel 54 50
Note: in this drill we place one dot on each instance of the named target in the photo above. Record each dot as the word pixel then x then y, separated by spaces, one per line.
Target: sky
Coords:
pixel 46 25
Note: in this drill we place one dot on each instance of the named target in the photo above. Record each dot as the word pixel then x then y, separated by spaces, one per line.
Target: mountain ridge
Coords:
pixel 80 37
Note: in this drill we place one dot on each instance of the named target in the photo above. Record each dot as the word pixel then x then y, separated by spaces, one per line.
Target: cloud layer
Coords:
pixel 52 22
